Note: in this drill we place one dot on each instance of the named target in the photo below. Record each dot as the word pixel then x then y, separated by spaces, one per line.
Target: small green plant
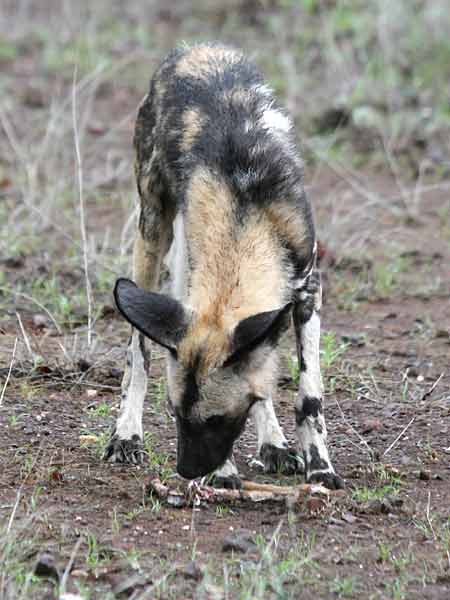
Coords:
pixel 155 504
pixel 27 391
pixel 387 483
pixel 101 410
pixel 92 554
pixel 222 510
pixel 159 461
pixel 330 350
pixel 8 51
pixel 343 586
pixel 158 393
pixel 398 591
pixel 133 514
pixel 98 443
pixel 47 291
pixel 365 494
pixel 35 497
pixel 294 369
pixel 386 276
pixel 13 420
pixel 133 556
pixel 401 562
pixel 384 553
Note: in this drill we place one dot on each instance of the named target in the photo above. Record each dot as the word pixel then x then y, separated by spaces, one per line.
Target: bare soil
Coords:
pixel 386 272
pixel 398 347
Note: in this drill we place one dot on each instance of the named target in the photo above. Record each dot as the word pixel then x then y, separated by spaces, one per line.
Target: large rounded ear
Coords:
pixel 161 318
pixel 254 330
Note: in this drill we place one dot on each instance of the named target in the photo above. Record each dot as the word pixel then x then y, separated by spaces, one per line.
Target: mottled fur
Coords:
pixel 219 175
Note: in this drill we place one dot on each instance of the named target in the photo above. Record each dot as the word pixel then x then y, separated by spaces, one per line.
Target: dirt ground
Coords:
pixel 389 439
pixel 385 359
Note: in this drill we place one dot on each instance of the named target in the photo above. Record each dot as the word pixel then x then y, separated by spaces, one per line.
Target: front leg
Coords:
pixel 125 445
pixel 311 428
pixel 273 447
pixel 226 476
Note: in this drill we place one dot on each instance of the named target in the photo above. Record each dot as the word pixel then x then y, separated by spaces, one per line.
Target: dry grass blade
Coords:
pixel 42 307
pixel 358 435
pixel 25 338
pixel 400 435
pixel 69 565
pixel 9 372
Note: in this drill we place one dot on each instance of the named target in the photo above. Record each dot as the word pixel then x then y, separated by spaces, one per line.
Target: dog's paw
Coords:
pixel 229 482
pixel 281 460
pixel 329 479
pixel 124 451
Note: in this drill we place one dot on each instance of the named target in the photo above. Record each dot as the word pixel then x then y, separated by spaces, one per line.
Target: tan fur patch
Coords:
pixel 288 222
pixel 145 263
pixel 202 61
pixel 193 121
pixel 262 373
pixel 148 255
pixel 237 270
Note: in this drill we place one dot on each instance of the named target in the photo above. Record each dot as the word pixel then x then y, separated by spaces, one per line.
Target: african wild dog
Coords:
pixel 221 187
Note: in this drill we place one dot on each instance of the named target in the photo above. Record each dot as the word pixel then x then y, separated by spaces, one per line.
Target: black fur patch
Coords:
pixel 311 407
pixel 157 316
pixel 317 463
pixel 280 460
pixel 124 451
pixel 318 426
pixel 145 353
pixel 304 307
pixel 190 391
pixel 204 446
pixel 332 481
pixel 265 327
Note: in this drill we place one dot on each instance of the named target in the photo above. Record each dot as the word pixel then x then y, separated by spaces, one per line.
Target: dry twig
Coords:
pixel 81 202
pixel 432 388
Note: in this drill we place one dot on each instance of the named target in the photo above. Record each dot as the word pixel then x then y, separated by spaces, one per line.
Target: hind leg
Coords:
pixel 151 245
pixel 311 428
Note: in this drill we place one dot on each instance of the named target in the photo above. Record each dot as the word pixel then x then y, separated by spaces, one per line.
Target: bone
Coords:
pixel 251 491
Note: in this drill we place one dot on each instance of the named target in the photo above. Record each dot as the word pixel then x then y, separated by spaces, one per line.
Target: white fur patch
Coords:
pixel 275 120
pixel 311 379
pixel 267 426
pixel 264 89
pixel 226 470
pixel 176 259
pixel 129 421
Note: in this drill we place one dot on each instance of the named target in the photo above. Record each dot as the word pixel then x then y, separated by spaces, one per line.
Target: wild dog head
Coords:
pixel 216 371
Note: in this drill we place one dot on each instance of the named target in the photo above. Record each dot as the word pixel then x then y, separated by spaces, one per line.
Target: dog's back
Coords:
pixel 214 145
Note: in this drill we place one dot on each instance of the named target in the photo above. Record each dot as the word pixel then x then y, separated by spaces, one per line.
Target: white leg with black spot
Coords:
pixel 311 428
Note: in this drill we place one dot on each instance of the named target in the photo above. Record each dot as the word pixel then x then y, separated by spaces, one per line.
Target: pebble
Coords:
pixel 191 570
pixel 371 425
pixel 241 541
pixel 45 566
